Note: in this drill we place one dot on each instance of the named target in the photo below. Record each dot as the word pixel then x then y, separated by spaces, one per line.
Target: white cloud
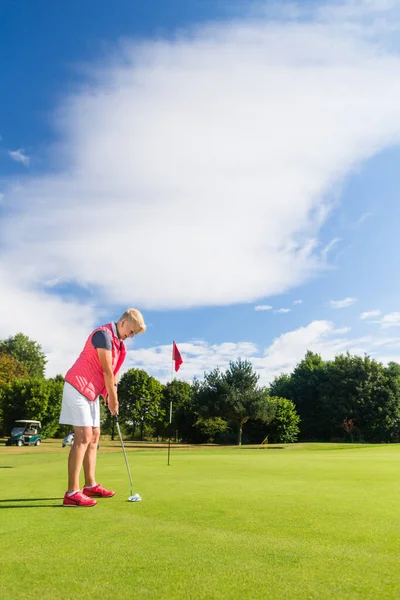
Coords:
pixel 321 337
pixel 261 307
pixel 386 321
pixel 198 358
pixel 298 302
pixel 341 330
pixel 189 159
pixel 60 327
pixel 372 15
pixel 285 352
pixel 342 303
pixel 391 320
pixel 178 136
pixel 283 310
pixel 370 314
pixel 20 156
pixel 289 348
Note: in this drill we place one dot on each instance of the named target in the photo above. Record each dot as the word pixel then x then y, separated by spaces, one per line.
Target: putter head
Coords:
pixel 135 498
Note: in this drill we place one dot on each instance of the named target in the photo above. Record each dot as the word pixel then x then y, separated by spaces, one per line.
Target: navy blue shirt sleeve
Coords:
pixel 101 339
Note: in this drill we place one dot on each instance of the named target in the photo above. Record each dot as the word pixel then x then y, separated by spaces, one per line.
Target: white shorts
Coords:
pixel 77 410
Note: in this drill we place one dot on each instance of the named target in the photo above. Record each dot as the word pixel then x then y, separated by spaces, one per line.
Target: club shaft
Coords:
pixel 123 450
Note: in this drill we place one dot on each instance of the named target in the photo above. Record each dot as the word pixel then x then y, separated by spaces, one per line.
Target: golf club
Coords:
pixel 133 497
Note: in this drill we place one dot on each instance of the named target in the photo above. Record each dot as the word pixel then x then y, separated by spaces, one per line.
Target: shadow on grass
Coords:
pixel 32 506
pixel 6 467
pixel 22 503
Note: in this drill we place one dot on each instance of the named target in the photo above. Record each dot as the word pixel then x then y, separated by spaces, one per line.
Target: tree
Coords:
pixel 303 387
pixel 362 390
pixel 284 427
pixel 139 397
pixel 282 386
pixel 211 427
pixel 180 393
pixel 244 399
pixel 233 395
pixel 280 423
pixel 348 426
pixel 33 398
pixel 50 424
pixel 10 370
pixel 27 352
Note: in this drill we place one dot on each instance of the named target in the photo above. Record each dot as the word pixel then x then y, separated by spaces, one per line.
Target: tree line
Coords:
pixel 349 398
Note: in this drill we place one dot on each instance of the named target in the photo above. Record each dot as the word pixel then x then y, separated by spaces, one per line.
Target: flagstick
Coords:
pixel 170 413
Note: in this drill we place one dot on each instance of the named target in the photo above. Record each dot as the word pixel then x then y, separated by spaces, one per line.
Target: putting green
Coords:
pixel 307 521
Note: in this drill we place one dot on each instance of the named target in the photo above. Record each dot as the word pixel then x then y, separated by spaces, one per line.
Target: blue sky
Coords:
pixel 202 161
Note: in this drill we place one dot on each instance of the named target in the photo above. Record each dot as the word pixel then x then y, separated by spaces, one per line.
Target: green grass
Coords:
pixel 304 522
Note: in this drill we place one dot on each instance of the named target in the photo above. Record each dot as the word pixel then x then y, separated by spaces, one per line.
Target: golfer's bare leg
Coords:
pixel 82 438
pixel 89 460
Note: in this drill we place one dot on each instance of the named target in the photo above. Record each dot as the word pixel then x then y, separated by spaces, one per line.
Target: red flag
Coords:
pixel 176 356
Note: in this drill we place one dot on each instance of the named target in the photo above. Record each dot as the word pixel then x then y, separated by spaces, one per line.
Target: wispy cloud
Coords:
pixel 342 303
pixel 283 310
pixel 329 247
pixel 261 307
pixel 20 156
pixel 363 218
pixel 298 302
pixel 370 314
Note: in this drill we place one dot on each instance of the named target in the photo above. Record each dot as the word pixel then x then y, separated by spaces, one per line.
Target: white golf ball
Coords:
pixel 135 498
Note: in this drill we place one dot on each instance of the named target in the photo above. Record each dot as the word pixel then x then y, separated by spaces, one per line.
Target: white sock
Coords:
pixel 72 493
pixel 90 486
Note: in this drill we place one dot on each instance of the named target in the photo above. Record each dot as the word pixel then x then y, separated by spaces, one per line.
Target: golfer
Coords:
pixel 95 372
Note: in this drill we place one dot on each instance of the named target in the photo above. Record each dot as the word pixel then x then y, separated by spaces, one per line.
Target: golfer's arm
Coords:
pixel 106 365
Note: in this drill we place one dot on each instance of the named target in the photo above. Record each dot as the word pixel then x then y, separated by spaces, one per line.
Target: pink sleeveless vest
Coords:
pixel 86 374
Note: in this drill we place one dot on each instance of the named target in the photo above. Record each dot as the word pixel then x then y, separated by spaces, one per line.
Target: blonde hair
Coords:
pixel 135 317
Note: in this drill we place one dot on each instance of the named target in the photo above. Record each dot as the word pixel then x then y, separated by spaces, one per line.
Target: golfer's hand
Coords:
pixel 113 406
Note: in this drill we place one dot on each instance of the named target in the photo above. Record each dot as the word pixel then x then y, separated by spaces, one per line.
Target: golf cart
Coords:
pixel 25 433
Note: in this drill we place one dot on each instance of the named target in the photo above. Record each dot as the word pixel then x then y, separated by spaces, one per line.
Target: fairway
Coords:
pixel 303 521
